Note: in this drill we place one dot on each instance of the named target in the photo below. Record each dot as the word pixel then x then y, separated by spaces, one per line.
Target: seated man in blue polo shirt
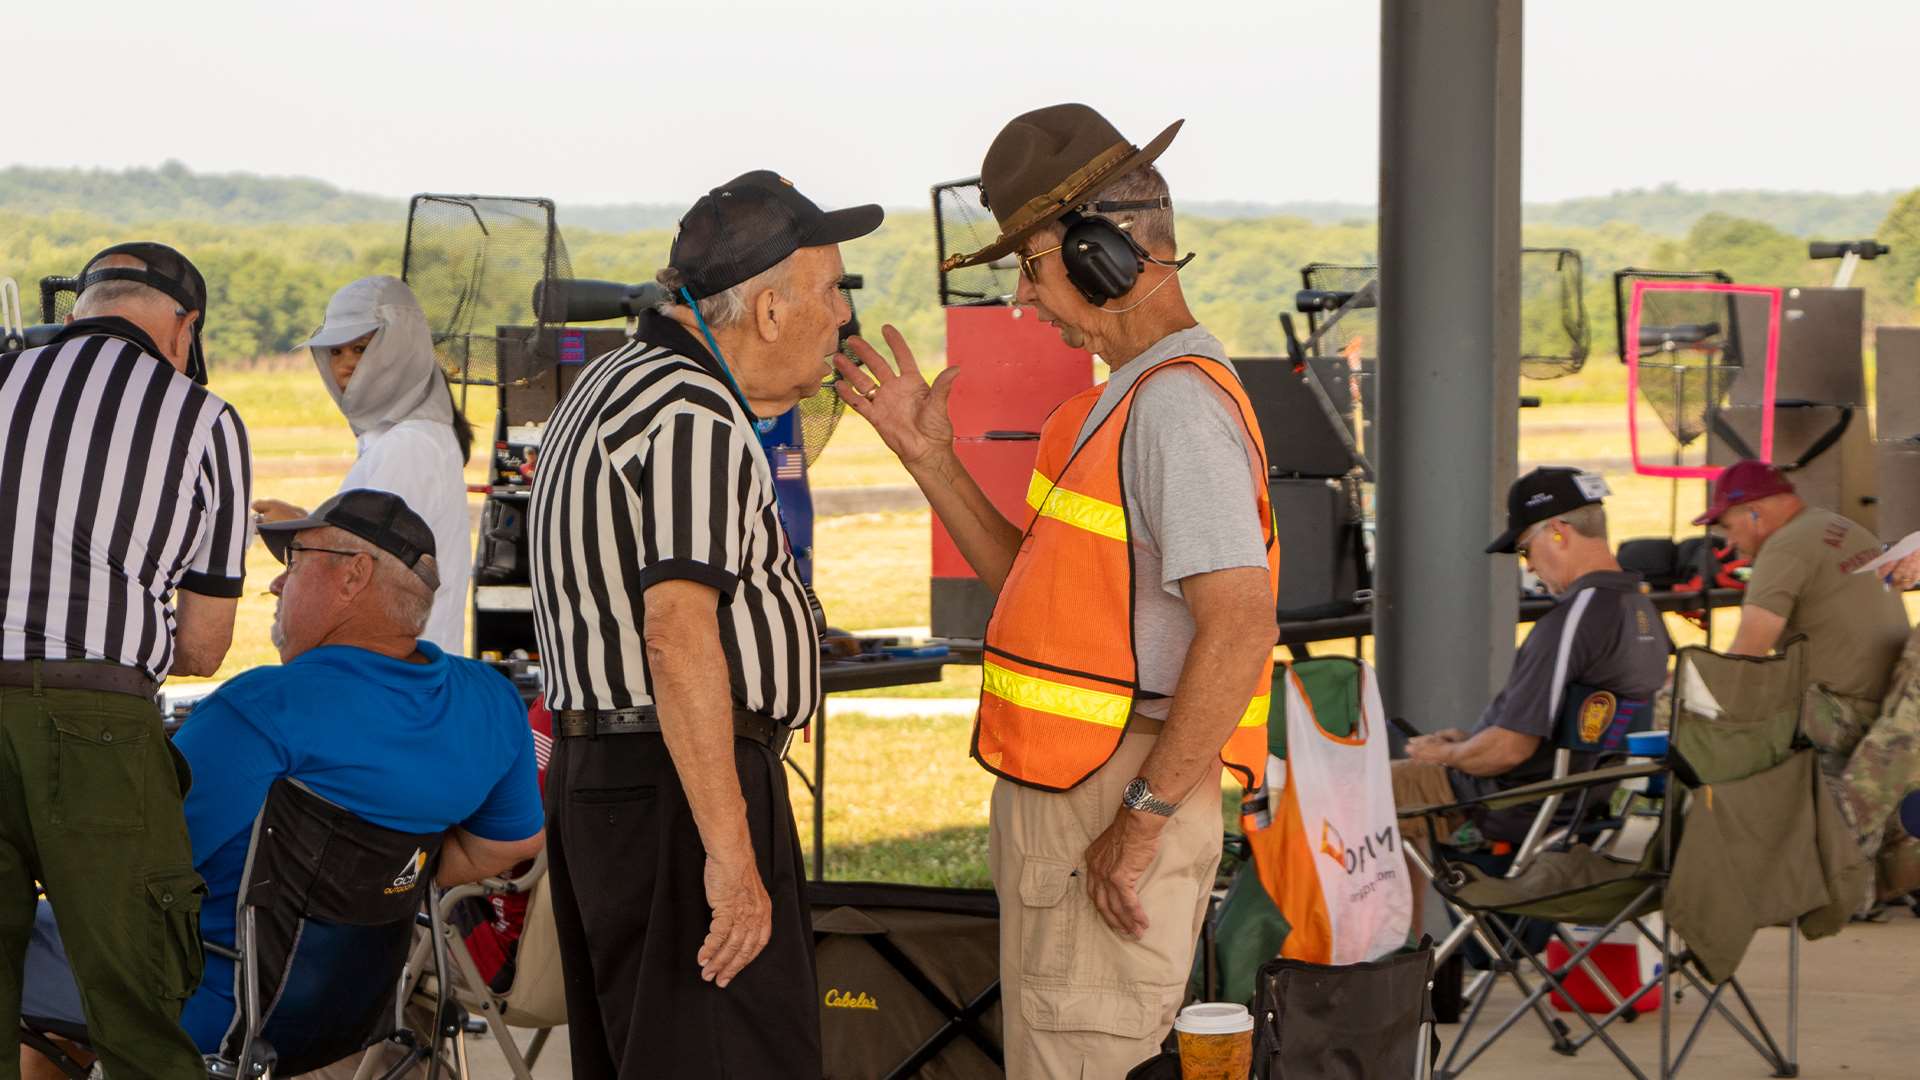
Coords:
pixel 361 712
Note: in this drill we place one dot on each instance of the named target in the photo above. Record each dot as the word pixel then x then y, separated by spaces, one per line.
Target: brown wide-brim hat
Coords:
pixel 1045 163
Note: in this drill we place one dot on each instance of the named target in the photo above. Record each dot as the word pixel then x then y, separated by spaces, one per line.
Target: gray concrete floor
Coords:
pixel 1859 1019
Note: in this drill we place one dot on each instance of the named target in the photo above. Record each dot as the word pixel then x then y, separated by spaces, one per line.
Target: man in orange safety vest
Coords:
pixel 1130 651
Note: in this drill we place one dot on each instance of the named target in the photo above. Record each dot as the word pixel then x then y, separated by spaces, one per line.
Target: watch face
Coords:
pixel 1136 791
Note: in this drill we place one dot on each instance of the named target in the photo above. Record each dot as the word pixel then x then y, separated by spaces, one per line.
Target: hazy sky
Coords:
pixel 859 100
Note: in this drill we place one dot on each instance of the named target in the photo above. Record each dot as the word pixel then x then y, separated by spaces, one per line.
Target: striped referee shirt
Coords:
pixel 649 471
pixel 123 481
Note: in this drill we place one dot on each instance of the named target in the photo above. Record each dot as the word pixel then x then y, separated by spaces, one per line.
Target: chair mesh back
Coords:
pixel 334 899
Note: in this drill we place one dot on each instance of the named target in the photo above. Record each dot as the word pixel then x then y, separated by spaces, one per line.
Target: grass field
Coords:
pixel 904 802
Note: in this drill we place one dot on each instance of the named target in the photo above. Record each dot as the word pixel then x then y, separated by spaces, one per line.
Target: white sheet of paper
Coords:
pixel 1906 547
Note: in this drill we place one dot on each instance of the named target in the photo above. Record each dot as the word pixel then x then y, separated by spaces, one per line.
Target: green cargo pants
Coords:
pixel 90 806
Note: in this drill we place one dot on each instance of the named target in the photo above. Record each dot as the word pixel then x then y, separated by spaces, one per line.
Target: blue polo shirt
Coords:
pixel 413 747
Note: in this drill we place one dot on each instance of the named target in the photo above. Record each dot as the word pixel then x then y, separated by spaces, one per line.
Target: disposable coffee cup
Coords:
pixel 1216 1041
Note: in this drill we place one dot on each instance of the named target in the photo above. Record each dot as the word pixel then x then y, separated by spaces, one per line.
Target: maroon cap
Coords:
pixel 1743 482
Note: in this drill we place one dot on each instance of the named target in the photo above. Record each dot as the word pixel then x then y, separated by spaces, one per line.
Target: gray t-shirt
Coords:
pixel 1190 477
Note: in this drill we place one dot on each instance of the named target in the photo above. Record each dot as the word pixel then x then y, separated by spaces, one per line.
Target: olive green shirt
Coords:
pixel 1855 628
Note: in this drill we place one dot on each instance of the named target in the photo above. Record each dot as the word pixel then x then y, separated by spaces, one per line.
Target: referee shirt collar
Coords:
pixel 658 329
pixel 112 326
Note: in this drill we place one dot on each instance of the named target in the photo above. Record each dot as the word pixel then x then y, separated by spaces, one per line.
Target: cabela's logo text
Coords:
pixel 841 999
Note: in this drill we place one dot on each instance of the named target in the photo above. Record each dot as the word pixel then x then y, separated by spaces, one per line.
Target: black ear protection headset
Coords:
pixel 1102 258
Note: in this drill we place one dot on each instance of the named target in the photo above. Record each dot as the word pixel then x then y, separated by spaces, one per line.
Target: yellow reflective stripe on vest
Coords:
pixel 1079 703
pixel 1256 713
pixel 1042 695
pixel 1072 508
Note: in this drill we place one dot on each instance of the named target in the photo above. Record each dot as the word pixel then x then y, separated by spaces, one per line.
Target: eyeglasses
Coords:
pixel 1027 262
pixel 1526 539
pixel 293 549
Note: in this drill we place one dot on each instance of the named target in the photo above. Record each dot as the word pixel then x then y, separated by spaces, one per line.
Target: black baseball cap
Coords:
pixel 166 270
pixel 381 518
pixel 1546 492
pixel 749 224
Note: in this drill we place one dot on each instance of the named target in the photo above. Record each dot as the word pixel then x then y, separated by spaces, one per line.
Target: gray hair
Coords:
pixel 106 297
pixel 732 306
pixel 401 597
pixel 1151 229
pixel 1589 521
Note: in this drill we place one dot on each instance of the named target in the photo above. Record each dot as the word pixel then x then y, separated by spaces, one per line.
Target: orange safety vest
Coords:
pixel 1059 670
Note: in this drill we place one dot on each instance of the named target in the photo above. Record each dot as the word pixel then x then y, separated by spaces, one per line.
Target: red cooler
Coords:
pixel 1618 959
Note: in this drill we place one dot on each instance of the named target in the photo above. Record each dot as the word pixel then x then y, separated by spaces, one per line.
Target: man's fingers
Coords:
pixel 876 366
pixel 902 353
pixel 1132 911
pixel 943 387
pixel 753 937
pixel 720 967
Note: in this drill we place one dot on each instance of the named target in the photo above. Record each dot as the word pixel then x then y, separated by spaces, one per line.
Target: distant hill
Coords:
pixel 1670 211
pixel 174 192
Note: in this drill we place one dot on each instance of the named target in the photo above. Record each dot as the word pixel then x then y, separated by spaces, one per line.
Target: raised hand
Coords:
pixel 910 415
pixel 272 510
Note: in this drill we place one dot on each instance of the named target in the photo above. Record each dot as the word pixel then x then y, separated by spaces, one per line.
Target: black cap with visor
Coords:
pixel 747 225
pixel 381 518
pixel 167 271
pixel 1546 492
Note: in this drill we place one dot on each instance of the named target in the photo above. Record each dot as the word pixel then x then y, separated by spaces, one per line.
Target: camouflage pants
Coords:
pixel 1872 755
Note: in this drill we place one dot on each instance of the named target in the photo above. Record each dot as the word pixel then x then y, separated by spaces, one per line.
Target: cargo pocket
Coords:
pixel 100 768
pixel 1049 918
pixel 175 896
pixel 1070 977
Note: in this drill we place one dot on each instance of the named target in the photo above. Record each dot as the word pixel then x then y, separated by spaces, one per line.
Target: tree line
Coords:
pixel 269 282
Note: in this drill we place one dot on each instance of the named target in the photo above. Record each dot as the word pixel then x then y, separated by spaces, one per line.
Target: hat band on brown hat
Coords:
pixel 1065 195
pixel 1080 183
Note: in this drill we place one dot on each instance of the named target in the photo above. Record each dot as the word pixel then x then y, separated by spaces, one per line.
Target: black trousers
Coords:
pixel 630 909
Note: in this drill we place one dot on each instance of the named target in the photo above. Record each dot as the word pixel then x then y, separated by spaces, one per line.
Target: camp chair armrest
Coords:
pixel 215 949
pixel 1542 789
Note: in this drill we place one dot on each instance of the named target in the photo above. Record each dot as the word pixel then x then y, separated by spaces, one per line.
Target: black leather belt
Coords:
pixel 77 675
pixel 645 720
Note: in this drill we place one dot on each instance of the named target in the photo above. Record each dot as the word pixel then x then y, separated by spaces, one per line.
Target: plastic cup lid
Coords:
pixel 1214 1018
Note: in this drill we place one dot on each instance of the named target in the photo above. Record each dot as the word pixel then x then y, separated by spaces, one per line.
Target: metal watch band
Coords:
pixel 1139 796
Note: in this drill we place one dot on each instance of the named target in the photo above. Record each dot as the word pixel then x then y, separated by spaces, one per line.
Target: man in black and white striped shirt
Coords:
pixel 123 534
pixel 670 613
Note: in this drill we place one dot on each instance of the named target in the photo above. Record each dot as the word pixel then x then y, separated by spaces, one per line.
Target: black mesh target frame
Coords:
pixel 961 222
pixel 474 261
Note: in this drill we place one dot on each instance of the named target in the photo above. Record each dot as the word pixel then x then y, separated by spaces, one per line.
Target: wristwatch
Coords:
pixel 1138 796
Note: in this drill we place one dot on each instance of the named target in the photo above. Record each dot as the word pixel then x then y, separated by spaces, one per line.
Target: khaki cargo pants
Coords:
pixel 90 806
pixel 1078 1000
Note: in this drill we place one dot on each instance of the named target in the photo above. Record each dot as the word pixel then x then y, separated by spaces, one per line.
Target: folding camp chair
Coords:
pixel 1371 1021
pixel 326 910
pixel 1733 733
pixel 908 980
pixel 1590 730
pixel 535 999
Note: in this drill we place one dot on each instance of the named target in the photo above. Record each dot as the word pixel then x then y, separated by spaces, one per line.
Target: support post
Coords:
pixel 1444 613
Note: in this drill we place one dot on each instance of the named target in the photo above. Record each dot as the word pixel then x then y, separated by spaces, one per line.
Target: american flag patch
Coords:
pixel 789 464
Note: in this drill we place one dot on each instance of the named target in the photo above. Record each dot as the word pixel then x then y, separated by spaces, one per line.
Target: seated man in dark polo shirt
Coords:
pixel 1602 633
